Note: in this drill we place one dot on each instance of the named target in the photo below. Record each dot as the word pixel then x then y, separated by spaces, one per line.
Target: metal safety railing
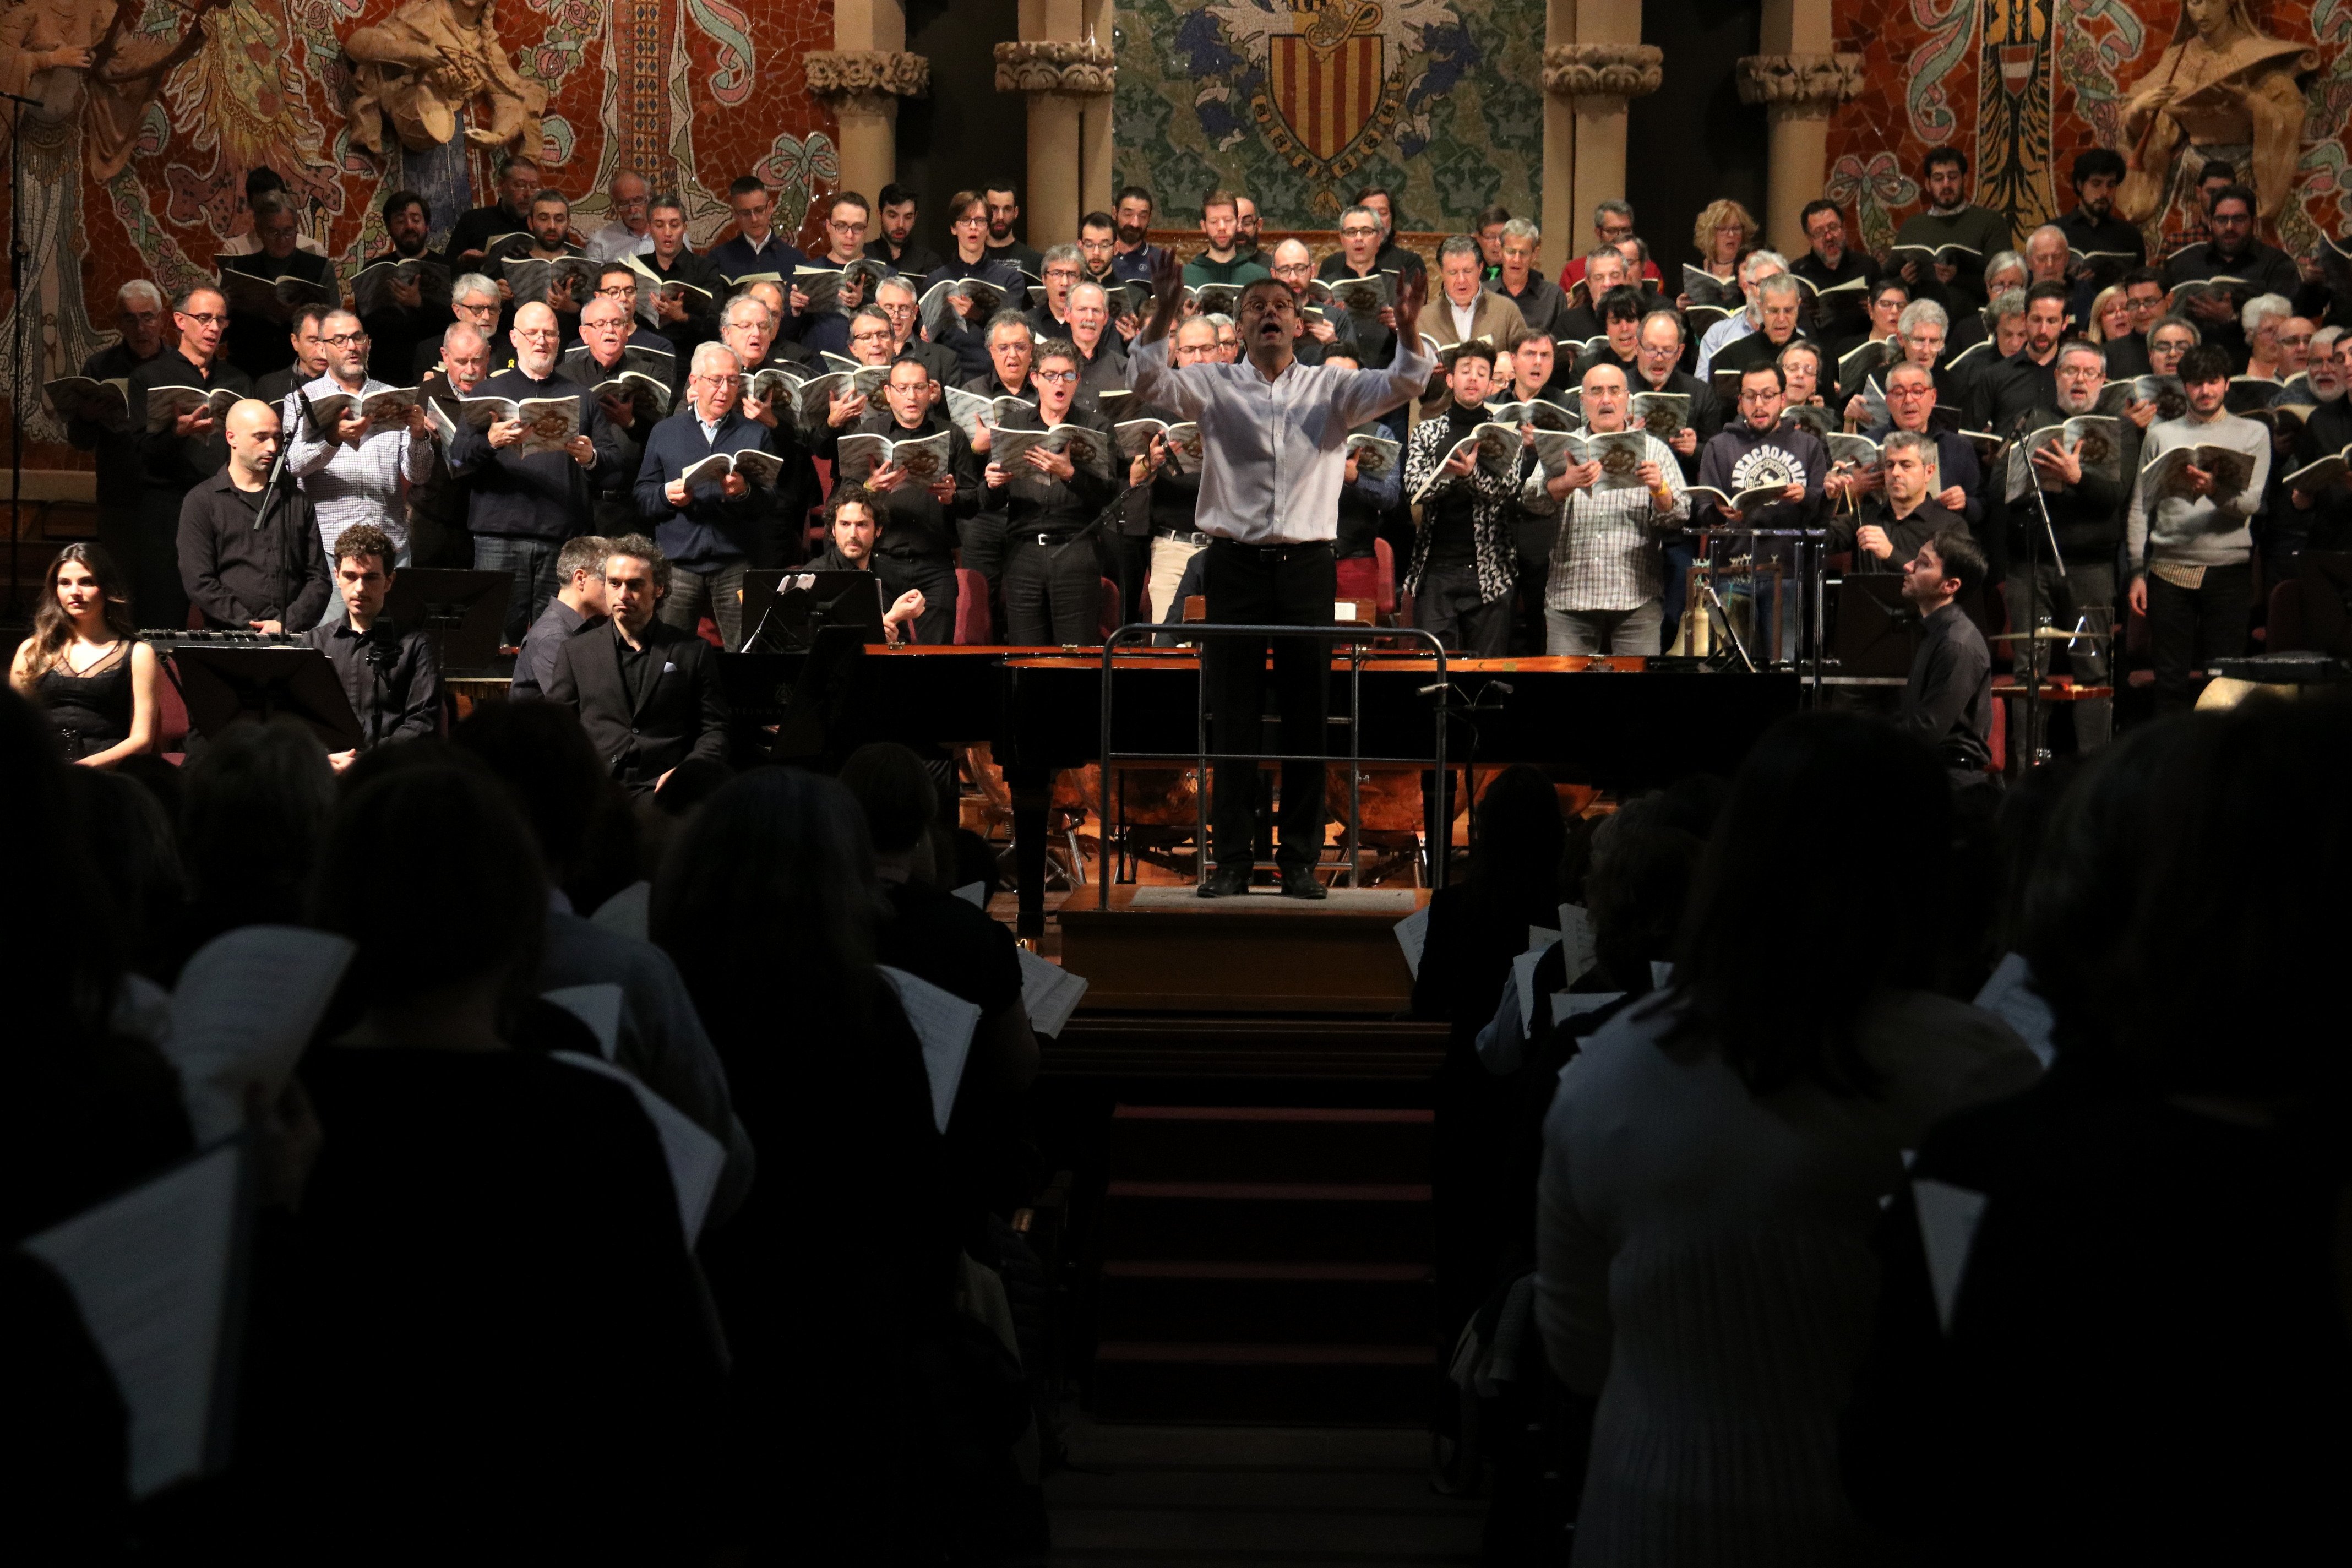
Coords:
pixel 1358 638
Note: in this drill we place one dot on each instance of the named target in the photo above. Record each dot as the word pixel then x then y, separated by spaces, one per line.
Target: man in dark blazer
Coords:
pixel 716 528
pixel 647 692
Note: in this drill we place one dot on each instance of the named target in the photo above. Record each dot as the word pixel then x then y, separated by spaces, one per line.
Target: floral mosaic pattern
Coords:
pixel 722 79
pixel 1949 73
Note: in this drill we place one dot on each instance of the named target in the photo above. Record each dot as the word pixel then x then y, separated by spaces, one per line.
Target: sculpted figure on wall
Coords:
pixel 83 59
pixel 427 62
pixel 2224 89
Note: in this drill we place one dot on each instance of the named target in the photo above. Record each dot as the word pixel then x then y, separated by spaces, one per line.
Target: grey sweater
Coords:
pixel 2197 530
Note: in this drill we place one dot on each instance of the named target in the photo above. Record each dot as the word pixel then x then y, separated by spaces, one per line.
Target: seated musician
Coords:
pixel 393 678
pixel 1948 702
pixel 646 691
pixel 853 522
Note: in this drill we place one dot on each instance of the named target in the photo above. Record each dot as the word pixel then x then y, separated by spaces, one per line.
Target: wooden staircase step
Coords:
pixel 1290 1302
pixel 1145 1380
pixel 1269 1144
pixel 1268 1221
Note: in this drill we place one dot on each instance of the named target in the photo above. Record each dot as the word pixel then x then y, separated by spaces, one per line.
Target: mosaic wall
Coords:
pixel 2024 85
pixel 1297 102
pixel 690 92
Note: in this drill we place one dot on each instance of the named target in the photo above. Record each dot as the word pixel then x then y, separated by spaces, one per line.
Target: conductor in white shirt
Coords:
pixel 1274 436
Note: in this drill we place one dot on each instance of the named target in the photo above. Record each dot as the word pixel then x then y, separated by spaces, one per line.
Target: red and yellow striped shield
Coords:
pixel 1327 96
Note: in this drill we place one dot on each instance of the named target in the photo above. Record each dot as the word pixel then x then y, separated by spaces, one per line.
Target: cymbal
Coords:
pixel 2048 634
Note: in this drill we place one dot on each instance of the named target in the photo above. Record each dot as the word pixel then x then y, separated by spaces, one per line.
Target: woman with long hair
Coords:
pixel 84 663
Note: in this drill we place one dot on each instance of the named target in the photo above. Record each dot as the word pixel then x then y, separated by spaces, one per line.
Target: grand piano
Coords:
pixel 1622 724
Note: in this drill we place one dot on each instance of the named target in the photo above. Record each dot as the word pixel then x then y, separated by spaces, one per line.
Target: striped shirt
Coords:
pixel 1607 555
pixel 349 485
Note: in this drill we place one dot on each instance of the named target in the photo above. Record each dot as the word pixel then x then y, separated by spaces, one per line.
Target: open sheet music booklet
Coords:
pixel 945 1023
pixel 157 1274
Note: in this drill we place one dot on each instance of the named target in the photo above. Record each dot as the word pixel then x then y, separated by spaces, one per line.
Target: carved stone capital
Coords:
pixel 862 78
pixel 1618 71
pixel 1068 69
pixel 1802 85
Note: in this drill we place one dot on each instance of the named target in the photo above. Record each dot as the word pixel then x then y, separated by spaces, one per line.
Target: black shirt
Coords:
pixel 1948 702
pixel 636 665
pixel 237 570
pixel 178 463
pixel 1450 516
pixel 1844 315
pixel 392 678
pixel 915 261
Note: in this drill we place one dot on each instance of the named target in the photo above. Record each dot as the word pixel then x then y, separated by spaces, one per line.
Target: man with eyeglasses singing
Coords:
pixel 473 302
pixel 967 225
pixel 2233 252
pixel 186 452
pixel 524 506
pixel 756 246
pixel 1062 267
pixel 1359 257
pixel 917 543
pixel 845 235
pixel 352 467
pixel 602 355
pixel 626 234
pixel 713 530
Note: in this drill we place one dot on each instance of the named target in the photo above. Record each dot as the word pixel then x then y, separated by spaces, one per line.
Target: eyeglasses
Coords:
pixel 345 340
pixel 1750 395
pixel 1358 231
pixel 202 320
pixel 1617 231
pixel 1056 377
pixel 840 228
pixel 534 331
pixel 487 308
pixel 625 291
pixel 870 337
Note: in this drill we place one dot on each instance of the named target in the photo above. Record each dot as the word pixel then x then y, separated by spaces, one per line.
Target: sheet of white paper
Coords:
pixel 2009 996
pixel 1412 934
pixel 695 1157
pixel 247 1005
pixel 974 893
pixel 1576 931
pixel 944 1023
pixel 1947 1229
pixel 1523 976
pixel 598 1007
pixel 152 1273
pixel 1049 993
pixel 1569 1003
pixel 1662 974
pixel 626 912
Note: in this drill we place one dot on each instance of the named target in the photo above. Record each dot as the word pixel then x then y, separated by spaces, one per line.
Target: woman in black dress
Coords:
pixel 84 664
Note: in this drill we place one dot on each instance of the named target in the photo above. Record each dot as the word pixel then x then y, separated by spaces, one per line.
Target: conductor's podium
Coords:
pixel 1164 948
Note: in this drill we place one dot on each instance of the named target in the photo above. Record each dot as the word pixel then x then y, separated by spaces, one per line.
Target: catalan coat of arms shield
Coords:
pixel 1327 94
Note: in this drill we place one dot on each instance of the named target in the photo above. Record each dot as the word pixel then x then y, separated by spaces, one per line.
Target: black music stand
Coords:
pixel 806 695
pixel 1877 632
pixel 788 610
pixel 463 610
pixel 224 687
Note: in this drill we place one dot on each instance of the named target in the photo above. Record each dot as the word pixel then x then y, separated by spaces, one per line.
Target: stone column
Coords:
pixel 1798 81
pixel 862 77
pixel 1098 158
pixel 1559 190
pixel 1061 72
pixel 1592 82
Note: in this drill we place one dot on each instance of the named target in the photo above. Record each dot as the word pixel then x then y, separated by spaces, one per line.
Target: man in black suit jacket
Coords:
pixel 647 692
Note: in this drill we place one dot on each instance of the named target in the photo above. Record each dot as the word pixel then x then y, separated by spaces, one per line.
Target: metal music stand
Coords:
pixel 465 611
pixel 224 687
pixel 1876 631
pixel 790 609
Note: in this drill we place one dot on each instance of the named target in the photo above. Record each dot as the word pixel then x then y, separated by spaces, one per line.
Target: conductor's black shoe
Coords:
pixel 1299 883
pixel 1226 882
